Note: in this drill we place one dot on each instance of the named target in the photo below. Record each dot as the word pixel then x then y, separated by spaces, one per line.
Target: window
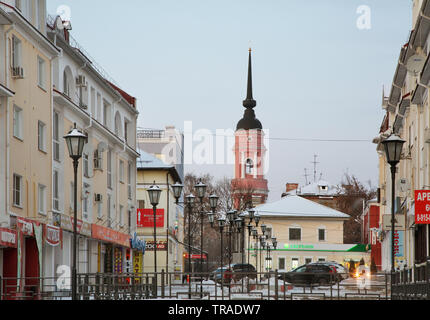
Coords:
pixel 281 263
pixel 109 211
pixel 294 263
pixel 56 137
pixel 129 220
pixel 16 52
pixel 126 131
pixel 66 84
pixel 85 207
pixel 121 171
pixel 141 204
pixel 129 166
pixel 41 132
pixel 41 199
pixel 41 73
pixel 109 169
pixel 98 160
pixel 295 234
pixel 321 234
pixel 86 165
pixel 321 259
pixel 17 123
pixel 308 260
pixel 121 216
pixel 99 210
pixel 248 166
pixel 55 191
pixel 17 190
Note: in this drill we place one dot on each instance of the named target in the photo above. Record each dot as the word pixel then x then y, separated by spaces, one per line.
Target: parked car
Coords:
pixel 342 272
pixel 313 273
pixel 243 270
pixel 217 274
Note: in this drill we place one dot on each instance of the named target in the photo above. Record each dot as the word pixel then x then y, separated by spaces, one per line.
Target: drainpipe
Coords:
pixel 7 119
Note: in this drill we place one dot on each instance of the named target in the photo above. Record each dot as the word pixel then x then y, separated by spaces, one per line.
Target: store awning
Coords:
pixel 422 29
pixel 8 238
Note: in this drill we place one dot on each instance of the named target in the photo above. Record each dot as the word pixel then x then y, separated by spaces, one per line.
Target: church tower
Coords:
pixel 249 185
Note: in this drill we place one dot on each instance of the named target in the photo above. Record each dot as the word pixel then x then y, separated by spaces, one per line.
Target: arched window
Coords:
pixel 249 165
pixel 67 82
pixel 118 124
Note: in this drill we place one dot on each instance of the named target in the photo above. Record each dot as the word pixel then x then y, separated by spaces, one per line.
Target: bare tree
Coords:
pixel 351 200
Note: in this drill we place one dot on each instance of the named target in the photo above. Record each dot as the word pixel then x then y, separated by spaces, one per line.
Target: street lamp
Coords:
pixel 154 193
pixel 201 191
pixel 393 146
pixel 75 141
pixel 189 200
pixel 177 191
pixel 221 225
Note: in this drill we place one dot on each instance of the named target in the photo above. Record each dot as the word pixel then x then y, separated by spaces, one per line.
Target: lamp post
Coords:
pixel 393 146
pixel 75 141
pixel 154 193
pixel 189 201
pixel 201 191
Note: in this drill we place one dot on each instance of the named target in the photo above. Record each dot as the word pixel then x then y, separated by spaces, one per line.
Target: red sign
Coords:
pixel 109 235
pixel 145 218
pixel 194 256
pixel 8 238
pixel 161 246
pixel 422 206
pixel 53 235
pixel 25 226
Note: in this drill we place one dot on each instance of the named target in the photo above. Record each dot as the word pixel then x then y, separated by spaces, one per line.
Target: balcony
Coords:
pixel 151 134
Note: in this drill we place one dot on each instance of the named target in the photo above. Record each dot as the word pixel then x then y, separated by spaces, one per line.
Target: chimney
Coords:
pixel 292 186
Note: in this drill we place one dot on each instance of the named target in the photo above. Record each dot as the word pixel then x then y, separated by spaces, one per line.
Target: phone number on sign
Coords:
pixel 423 218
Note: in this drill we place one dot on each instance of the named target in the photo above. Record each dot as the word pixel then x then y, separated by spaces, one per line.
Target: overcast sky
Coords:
pixel 316 74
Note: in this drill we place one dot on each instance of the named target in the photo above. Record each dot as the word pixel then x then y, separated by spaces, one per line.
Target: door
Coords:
pixel 10 267
pixel 31 287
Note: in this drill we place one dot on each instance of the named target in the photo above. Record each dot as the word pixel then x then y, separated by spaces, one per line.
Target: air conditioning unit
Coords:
pixel 81 81
pixel 98 197
pixel 18 72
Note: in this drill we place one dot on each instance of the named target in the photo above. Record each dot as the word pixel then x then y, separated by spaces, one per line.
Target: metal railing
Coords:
pixel 412 283
pixel 199 286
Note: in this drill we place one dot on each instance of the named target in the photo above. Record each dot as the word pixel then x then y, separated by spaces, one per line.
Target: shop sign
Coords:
pixel 298 246
pixel 195 256
pixel 118 260
pixel 161 246
pixel 109 235
pixel 8 238
pixel 25 226
pixel 145 218
pixel 82 227
pixel 137 244
pixel 53 235
pixel 108 259
pixel 422 206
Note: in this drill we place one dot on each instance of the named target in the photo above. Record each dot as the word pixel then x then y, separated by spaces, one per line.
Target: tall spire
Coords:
pixel 249 103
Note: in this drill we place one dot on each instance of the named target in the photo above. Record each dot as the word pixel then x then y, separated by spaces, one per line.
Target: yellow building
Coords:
pixel 25 139
pixel 305 232
pixel 407 114
pixel 169 216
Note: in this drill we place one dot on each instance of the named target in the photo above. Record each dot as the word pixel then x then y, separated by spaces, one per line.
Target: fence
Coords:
pixel 412 283
pixel 202 286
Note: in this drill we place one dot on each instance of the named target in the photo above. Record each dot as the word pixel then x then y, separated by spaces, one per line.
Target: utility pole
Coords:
pixel 306 176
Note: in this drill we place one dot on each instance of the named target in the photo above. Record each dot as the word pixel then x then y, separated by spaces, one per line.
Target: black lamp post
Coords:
pixel 221 225
pixel 75 141
pixel 189 201
pixel 213 203
pixel 393 146
pixel 154 193
pixel 201 191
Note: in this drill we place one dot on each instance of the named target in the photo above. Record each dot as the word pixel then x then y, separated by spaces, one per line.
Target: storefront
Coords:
pixel 83 239
pixel 8 259
pixel 52 254
pixel 111 249
pixel 290 256
pixel 138 251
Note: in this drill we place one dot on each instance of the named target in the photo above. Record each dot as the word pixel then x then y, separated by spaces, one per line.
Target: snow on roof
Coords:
pixel 296 206
pixel 148 161
pixel 320 188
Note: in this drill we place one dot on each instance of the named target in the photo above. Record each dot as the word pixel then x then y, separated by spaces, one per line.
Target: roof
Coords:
pixel 296 206
pixel 315 189
pixel 147 161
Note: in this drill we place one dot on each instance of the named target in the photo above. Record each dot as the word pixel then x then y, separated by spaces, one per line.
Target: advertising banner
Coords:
pixel 145 218
pixel 161 246
pixel 53 235
pixel 109 235
pixel 422 206
pixel 117 260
